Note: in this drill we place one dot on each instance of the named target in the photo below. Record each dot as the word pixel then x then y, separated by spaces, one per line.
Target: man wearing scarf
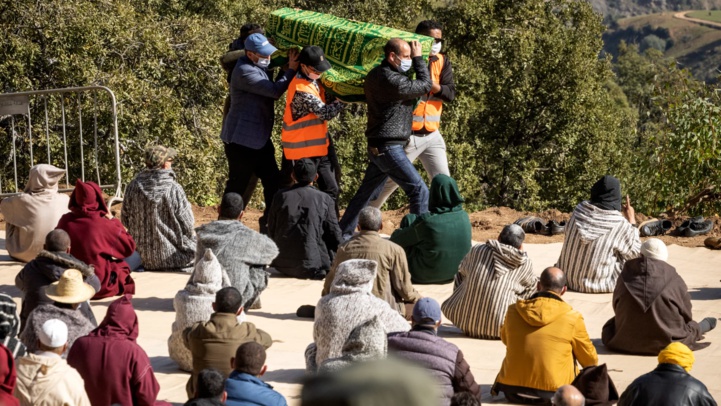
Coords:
pixel 670 383
pixel 436 242
pixel 114 367
pixel 600 237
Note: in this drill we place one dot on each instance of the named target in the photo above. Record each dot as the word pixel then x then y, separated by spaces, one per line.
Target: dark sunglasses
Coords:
pixel 438 40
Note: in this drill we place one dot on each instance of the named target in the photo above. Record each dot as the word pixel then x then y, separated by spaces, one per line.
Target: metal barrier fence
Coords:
pixel 62 111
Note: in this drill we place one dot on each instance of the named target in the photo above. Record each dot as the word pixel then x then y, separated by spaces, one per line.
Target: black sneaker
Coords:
pixel 531 225
pixel 554 228
pixel 306 312
pixel 698 228
pixel 652 228
pixel 681 230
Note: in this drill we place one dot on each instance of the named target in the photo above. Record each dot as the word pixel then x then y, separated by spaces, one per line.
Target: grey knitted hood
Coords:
pixel 366 342
pixel 215 235
pixel 354 275
pixel 155 183
pixel 208 276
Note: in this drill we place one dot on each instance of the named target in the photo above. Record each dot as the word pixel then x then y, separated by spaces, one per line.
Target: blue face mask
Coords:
pixel 405 65
pixel 262 63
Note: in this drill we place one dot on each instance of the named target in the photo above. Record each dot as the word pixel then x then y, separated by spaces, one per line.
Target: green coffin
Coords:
pixel 352 47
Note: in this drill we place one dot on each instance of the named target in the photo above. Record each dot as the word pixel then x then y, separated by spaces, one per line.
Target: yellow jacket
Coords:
pixel 544 337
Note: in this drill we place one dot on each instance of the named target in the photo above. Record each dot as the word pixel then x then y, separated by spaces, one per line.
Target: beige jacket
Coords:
pixel 393 281
pixel 33 214
pixel 49 381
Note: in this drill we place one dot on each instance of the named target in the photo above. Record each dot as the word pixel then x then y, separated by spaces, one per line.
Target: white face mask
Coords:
pixel 312 76
pixel 262 63
pixel 436 48
pixel 405 65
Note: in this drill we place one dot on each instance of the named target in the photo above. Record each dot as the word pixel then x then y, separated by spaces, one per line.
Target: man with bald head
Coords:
pixel 391 96
pixel 544 337
pixel 568 395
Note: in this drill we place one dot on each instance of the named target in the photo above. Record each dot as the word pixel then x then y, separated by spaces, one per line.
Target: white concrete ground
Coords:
pixel 153 302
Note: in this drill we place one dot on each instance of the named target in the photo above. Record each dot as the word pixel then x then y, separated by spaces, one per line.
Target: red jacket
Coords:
pixel 8 378
pixel 98 240
pixel 114 367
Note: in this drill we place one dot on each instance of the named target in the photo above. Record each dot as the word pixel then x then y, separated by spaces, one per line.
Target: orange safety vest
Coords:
pixel 428 112
pixel 306 137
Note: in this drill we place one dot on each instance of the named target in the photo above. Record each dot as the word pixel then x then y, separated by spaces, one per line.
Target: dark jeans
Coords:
pixel 244 163
pixel 392 162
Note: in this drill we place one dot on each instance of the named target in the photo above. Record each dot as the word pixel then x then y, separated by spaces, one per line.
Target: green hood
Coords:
pixel 445 196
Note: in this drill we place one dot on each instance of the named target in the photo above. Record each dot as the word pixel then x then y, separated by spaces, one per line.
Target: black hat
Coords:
pixel 304 170
pixel 313 57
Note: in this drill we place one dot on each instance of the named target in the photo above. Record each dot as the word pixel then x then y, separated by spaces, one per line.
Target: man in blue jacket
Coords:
pixel 248 126
pixel 244 386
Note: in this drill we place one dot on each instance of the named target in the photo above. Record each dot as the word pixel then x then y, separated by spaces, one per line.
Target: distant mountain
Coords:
pixel 626 8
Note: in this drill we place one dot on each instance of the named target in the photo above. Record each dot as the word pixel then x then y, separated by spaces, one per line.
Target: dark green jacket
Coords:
pixel 436 242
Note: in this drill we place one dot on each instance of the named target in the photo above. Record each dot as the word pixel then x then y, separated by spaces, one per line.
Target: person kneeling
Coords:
pixel 303 224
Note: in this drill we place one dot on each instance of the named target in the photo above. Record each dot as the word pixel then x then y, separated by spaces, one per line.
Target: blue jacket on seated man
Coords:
pixel 247 390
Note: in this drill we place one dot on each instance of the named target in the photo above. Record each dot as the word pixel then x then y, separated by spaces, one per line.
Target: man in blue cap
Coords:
pixel 422 346
pixel 248 126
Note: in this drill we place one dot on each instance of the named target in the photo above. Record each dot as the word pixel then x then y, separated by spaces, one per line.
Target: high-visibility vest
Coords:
pixel 306 137
pixel 428 112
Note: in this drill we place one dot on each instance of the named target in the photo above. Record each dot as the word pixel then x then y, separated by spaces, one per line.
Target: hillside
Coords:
pixel 626 8
pixel 694 46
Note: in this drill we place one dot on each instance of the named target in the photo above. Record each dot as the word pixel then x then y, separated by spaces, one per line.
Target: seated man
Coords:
pixel 47 268
pixel 194 304
pixel 44 377
pixel 544 337
pixel 8 378
pixel 303 224
pixel 115 368
pixel 670 383
pixel 366 342
pixel 210 390
pixel 69 294
pixel 652 306
pixel 244 386
pixel 243 253
pixel 490 278
pixel 441 358
pixel 349 304
pixel 393 281
pixel 30 216
pixel 99 240
pixel 10 327
pixel 437 241
pixel 213 343
pixel 158 215
pixel 599 239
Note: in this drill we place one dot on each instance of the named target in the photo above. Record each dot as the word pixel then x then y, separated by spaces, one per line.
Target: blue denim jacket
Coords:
pixel 252 94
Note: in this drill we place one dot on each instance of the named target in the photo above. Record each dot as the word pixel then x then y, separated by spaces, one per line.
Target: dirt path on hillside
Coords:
pixel 682 16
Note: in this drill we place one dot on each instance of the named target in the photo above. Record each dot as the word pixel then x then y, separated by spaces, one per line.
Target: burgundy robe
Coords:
pixel 98 240
pixel 114 367
pixel 652 309
pixel 8 378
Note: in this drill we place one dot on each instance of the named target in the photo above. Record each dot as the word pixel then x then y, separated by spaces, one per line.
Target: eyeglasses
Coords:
pixel 438 40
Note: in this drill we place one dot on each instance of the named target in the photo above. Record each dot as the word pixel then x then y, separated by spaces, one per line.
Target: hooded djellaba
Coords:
pixel 99 240
pixel 8 378
pixel 116 370
pixel 195 304
pixel 367 342
pixel 436 242
pixel 652 307
pixel 30 216
pixel 349 304
pixel 598 240
pixel 158 215
pixel 490 278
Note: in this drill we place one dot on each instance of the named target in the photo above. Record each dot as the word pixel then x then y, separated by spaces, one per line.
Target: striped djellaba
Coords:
pixel 491 277
pixel 596 246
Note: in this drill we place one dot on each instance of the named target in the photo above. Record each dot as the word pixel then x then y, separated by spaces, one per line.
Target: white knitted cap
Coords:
pixel 53 333
pixel 654 248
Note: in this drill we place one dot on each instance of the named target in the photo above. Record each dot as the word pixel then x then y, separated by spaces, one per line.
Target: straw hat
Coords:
pixel 70 288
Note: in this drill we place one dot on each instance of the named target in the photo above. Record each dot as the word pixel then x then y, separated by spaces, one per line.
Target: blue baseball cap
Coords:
pixel 259 44
pixel 427 310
